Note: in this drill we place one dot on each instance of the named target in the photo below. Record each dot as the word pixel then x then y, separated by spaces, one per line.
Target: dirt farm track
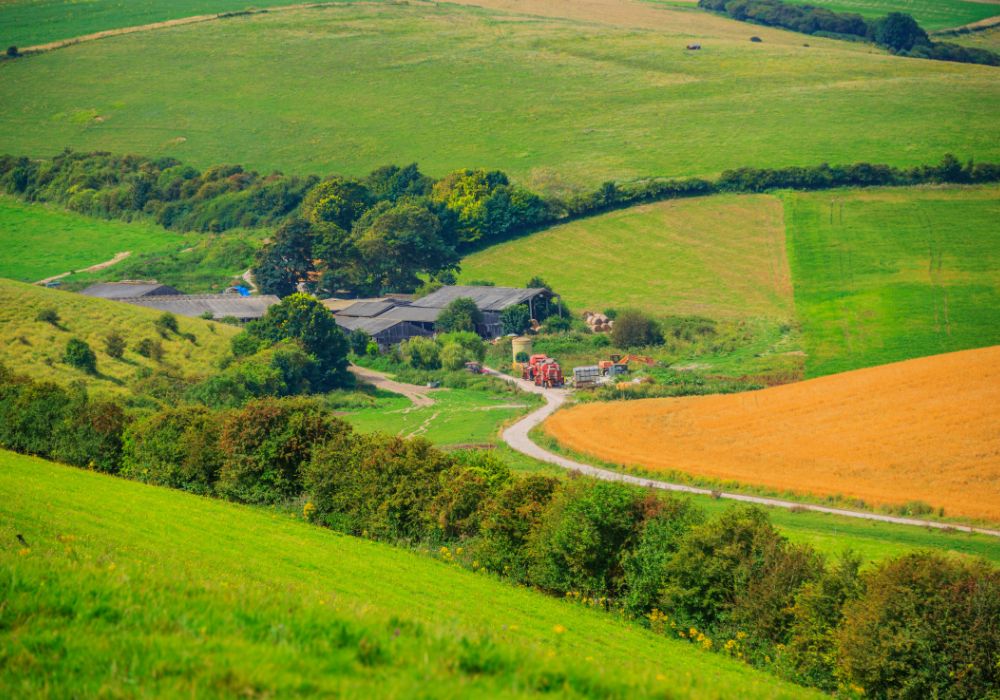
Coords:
pixel 922 430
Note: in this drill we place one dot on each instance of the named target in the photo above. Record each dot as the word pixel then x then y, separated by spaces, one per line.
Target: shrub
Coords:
pixel 508 521
pixel 471 342
pixel 515 319
pixel 265 444
pixel 421 353
pixel 737 573
pixel 12 52
pixel 460 315
pixel 91 435
pixel 177 447
pixel 165 324
pixel 358 341
pixel 454 356
pixel 78 354
pixel 376 484
pixel 634 329
pixel 302 318
pixel 48 315
pixel 556 324
pixel 582 536
pixel 114 345
pixel 151 348
pixel 927 626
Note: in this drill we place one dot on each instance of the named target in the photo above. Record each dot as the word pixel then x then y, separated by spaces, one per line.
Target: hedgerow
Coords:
pixel 918 625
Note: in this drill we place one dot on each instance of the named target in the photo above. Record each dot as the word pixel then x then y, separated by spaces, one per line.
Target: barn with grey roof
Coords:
pixel 216 306
pixel 128 290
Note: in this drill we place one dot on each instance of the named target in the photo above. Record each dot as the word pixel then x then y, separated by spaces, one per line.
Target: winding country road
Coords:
pixel 93 268
pixel 517 436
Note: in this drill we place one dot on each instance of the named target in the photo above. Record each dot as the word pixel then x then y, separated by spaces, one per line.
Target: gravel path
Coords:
pixel 517 437
pixel 418 395
pixel 93 268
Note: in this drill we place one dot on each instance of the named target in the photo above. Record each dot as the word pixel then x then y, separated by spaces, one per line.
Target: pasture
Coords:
pixel 721 257
pixel 121 581
pixel 36 347
pixel 557 103
pixel 914 431
pixel 886 275
pixel 930 14
pixel 39 241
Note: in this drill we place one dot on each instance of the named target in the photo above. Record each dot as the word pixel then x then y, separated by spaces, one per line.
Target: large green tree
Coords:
pixel 286 260
pixel 401 242
pixel 460 315
pixel 302 318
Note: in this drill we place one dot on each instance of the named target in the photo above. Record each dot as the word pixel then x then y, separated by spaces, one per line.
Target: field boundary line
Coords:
pixel 517 437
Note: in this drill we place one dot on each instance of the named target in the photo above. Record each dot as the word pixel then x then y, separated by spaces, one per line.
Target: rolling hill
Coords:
pixel 39 241
pixel 930 14
pixel 921 430
pixel 721 256
pixel 554 101
pixel 122 583
pixel 889 274
pixel 36 347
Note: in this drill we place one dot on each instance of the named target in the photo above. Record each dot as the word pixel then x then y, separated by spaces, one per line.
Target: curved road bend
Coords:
pixel 517 437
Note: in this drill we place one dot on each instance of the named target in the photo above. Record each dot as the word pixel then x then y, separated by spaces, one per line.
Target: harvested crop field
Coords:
pixel 921 430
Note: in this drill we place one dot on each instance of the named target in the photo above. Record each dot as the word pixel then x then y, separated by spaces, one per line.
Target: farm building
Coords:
pixel 423 313
pixel 128 290
pixel 218 306
pixel 384 331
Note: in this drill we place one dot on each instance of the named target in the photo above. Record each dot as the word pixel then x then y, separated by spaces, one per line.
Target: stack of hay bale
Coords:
pixel 598 323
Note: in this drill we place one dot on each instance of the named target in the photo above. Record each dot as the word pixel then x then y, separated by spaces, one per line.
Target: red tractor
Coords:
pixel 543 371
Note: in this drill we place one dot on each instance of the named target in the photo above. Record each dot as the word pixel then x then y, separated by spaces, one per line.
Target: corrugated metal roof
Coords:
pixel 371 326
pixel 368 309
pixel 336 305
pixel 486 298
pixel 128 290
pixel 416 314
pixel 219 305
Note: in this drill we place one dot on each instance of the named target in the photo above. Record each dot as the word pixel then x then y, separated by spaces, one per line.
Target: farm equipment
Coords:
pixel 543 371
pixel 618 364
pixel 474 367
pixel 586 377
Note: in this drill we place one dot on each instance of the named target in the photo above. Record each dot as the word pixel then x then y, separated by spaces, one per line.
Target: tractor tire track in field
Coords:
pixel 517 437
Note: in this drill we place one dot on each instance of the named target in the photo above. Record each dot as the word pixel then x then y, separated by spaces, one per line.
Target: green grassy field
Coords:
pixel 35 347
pixel 722 257
pixel 458 416
pixel 29 22
pixel 125 586
pixel 552 101
pixel 930 14
pixel 888 275
pixel 988 39
pixel 39 241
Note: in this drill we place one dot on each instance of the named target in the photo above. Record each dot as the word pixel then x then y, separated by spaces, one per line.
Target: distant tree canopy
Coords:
pixel 897 31
pixel 389 230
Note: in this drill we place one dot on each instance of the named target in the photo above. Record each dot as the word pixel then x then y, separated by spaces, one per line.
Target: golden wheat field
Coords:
pixel 922 430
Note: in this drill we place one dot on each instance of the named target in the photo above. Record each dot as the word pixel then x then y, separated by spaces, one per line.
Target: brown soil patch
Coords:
pixel 926 429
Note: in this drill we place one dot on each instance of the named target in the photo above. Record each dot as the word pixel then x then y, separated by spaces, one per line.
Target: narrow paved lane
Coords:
pixel 517 437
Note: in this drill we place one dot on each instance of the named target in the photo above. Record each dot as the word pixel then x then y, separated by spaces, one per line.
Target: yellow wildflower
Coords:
pixel 559 629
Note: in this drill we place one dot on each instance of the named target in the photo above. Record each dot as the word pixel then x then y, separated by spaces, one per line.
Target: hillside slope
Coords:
pixel 352 86
pixel 36 347
pixel 126 584
pixel 918 430
pixel 883 275
pixel 721 256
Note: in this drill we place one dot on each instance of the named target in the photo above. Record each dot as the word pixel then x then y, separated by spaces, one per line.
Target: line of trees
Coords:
pixel 897 31
pixel 385 231
pixel 919 625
